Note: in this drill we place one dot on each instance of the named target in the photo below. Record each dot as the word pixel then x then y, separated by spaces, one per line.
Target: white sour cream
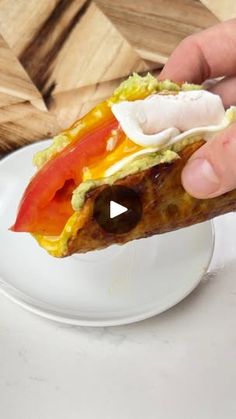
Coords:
pixel 161 120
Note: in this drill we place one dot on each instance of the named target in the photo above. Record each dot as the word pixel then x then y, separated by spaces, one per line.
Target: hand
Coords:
pixel 211 171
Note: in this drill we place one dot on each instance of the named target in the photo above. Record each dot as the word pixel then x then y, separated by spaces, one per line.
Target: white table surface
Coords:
pixel 178 365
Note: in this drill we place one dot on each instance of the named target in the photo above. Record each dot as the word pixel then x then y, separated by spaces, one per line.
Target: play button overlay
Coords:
pixel 117 209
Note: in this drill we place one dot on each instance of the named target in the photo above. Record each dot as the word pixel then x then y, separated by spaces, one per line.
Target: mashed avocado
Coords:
pixel 59 142
pixel 135 87
pixel 138 87
pixel 135 166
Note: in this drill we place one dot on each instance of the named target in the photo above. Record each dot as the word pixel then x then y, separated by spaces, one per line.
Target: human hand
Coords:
pixel 211 171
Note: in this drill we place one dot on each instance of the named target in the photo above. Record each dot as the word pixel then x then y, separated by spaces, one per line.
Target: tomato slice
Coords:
pixel 46 204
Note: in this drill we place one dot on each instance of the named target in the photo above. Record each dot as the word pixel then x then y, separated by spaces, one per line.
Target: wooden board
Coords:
pixel 22 108
pixel 14 80
pixel 223 9
pixel 22 123
pixel 80 101
pixel 61 46
pixel 154 28
pixel 70 45
pixel 58 58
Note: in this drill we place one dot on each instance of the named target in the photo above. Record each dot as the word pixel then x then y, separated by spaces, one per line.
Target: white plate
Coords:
pixel 119 285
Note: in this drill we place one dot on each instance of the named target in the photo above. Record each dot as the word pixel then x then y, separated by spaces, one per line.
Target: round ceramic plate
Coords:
pixel 118 285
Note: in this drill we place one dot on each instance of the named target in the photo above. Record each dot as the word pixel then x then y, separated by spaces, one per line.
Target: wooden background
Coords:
pixel 58 58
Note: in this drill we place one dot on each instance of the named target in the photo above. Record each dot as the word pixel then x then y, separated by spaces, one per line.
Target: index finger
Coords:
pixel 207 54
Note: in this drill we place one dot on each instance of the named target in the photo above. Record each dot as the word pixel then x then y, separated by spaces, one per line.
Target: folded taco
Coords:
pixel 140 138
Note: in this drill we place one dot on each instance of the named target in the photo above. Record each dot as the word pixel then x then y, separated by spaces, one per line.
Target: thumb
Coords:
pixel 211 170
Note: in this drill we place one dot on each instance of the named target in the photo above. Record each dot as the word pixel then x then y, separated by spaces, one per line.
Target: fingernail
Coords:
pixel 200 179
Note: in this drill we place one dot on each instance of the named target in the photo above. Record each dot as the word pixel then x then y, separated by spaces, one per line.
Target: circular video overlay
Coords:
pixel 118 209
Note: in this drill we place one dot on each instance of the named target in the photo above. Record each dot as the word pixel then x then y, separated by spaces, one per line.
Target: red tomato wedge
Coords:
pixel 46 204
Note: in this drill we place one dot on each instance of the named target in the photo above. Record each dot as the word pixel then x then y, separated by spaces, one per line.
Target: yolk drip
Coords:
pixel 124 149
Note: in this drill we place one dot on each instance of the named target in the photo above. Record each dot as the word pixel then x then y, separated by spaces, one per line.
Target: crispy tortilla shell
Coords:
pixel 166 206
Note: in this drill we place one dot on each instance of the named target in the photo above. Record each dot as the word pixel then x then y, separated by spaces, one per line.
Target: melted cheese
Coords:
pixel 57 246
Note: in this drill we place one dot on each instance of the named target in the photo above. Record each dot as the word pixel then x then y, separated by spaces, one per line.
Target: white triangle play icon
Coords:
pixel 116 209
